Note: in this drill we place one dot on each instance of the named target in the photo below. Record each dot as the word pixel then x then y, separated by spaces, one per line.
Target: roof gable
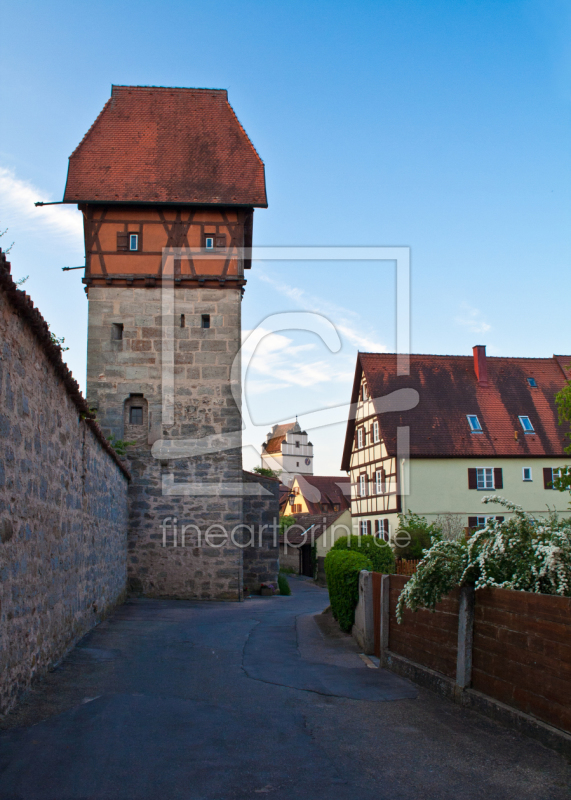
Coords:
pixel 449 390
pixel 154 144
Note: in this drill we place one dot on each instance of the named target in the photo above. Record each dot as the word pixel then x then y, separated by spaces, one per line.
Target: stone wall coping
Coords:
pixel 24 307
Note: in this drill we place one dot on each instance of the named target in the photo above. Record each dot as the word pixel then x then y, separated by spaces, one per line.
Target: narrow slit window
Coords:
pixel 360 438
pixel 117 331
pixel 133 241
pixel 474 423
pixel 136 415
pixel 376 437
pixel 206 320
pixel 182 321
pixel 362 486
pixel 526 425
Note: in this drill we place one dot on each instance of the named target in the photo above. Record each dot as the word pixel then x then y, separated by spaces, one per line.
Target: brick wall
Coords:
pixel 63 503
pixel 425 637
pixel 261 561
pixel 522 652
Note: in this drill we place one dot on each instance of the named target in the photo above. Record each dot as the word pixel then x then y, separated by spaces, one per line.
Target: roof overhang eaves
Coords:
pixel 177 203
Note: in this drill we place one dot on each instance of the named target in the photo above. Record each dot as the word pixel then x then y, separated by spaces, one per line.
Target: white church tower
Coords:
pixel 287 449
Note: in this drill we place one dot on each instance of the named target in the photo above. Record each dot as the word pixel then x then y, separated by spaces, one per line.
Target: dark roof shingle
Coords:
pixel 154 144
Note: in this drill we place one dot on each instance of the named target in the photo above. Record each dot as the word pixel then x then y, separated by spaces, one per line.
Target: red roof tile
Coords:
pixel 274 445
pixel 153 144
pixel 449 390
pixel 329 490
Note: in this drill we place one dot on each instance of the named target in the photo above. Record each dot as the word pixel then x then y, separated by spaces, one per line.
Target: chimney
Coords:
pixel 480 365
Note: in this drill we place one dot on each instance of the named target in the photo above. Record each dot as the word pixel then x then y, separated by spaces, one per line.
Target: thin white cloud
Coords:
pixel 339 316
pixel 472 319
pixel 17 210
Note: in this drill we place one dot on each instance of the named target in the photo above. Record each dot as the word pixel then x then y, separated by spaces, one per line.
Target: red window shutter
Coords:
pixel 472 522
pixel 547 478
pixel 498 478
pixel 368 527
pixel 472 478
pixel 383 480
pixel 122 241
pixel 356 439
pixel 386 527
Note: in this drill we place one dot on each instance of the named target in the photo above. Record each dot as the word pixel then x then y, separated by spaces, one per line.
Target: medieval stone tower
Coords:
pixel 167 181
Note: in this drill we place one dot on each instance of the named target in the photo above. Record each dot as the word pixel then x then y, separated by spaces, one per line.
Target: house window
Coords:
pixel 474 423
pixel 549 475
pixel 209 242
pixel 324 508
pixel 205 321
pixel 133 241
pixel 376 437
pixel 526 424
pixel 480 522
pixel 365 527
pixel 363 485
pixel 382 529
pixel 360 438
pixel 379 481
pixel 363 392
pixel 532 382
pixel 136 415
pixel 296 509
pixel 527 474
pixel 336 507
pixel 117 331
pixel 485 477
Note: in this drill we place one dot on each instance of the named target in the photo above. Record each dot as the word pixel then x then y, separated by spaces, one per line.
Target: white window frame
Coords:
pixel 208 239
pixel 362 485
pixel 523 424
pixel 534 384
pixel 523 471
pixel 379 482
pixel 363 527
pixel 484 474
pixel 135 237
pixel 360 438
pixel 376 433
pixel 470 417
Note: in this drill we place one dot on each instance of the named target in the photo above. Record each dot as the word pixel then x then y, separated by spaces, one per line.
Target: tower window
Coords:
pixel 133 241
pixel 206 320
pixel 182 321
pixel 136 415
pixel 117 331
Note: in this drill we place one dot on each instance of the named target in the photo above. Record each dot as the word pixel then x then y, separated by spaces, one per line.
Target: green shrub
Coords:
pixel 342 568
pixel 283 584
pixel 414 535
pixel 378 551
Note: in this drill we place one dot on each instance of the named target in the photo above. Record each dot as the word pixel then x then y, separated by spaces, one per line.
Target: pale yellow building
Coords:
pixel 455 429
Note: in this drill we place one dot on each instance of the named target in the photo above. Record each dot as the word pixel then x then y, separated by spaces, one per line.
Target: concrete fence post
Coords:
pixel 385 617
pixel 465 636
pixel 363 629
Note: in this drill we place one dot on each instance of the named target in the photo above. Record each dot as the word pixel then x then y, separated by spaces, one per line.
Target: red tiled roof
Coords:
pixel 309 527
pixel 154 144
pixel 274 445
pixel 329 490
pixel 449 390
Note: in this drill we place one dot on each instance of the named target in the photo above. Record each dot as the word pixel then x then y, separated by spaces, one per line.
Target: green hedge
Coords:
pixel 342 568
pixel 283 584
pixel 379 552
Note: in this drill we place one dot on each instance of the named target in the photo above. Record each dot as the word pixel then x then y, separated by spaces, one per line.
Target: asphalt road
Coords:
pixel 225 701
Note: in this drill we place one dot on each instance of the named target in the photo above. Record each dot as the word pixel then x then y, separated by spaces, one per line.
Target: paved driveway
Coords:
pixel 224 701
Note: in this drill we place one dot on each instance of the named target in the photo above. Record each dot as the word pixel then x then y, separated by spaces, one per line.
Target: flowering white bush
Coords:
pixel 522 553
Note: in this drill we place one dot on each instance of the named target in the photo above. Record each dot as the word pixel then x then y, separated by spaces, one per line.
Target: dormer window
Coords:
pixel 526 424
pixel 532 382
pixel 133 241
pixel 474 423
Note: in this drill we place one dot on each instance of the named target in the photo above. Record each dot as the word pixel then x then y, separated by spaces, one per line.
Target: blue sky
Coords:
pixel 443 126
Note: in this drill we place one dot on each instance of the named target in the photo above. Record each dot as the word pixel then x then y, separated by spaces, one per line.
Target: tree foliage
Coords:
pixel 522 553
pixel 378 551
pixel 563 401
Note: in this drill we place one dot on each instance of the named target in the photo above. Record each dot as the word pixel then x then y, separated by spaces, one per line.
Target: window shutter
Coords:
pixel 386 528
pixel 500 519
pixel 498 478
pixel 122 241
pixel 368 527
pixel 472 522
pixel 356 439
pixel 547 478
pixel 220 241
pixel 472 479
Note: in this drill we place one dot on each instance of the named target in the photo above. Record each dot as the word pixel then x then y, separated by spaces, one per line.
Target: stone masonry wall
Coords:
pixel 63 503
pixel 262 515
pixel 183 491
